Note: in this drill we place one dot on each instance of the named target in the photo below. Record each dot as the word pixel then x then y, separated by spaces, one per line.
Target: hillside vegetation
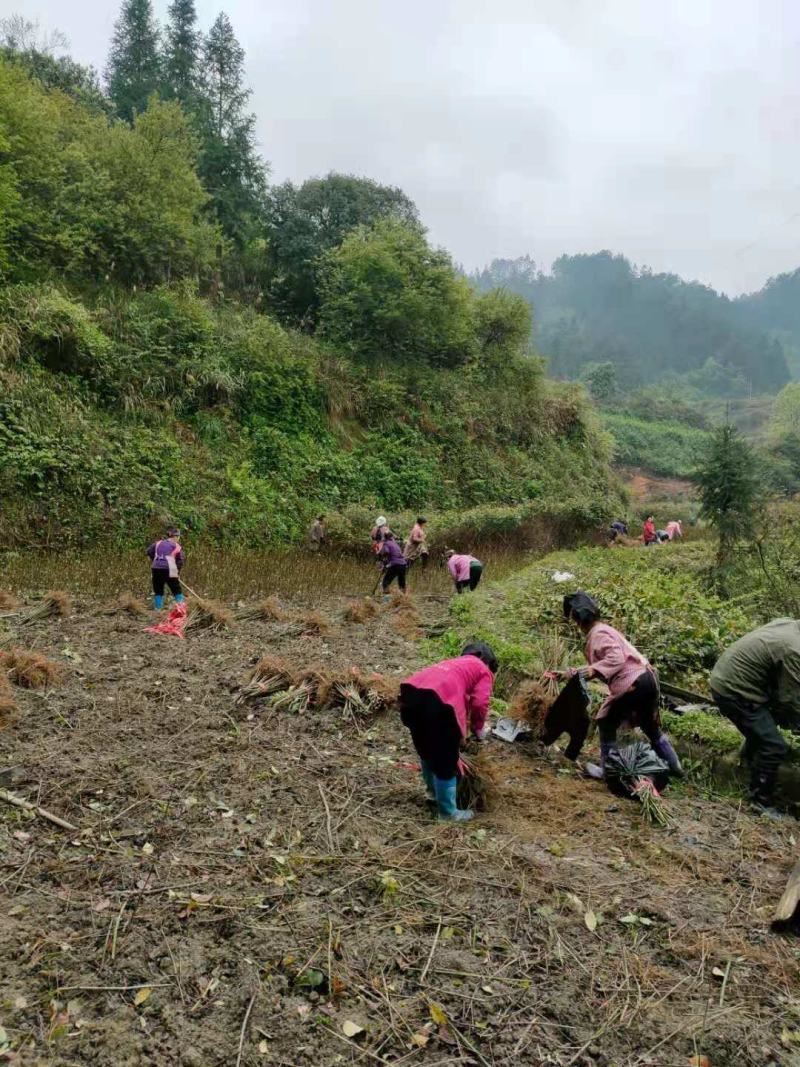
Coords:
pixel 157 360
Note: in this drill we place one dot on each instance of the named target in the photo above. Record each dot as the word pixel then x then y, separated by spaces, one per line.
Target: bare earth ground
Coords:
pixel 255 891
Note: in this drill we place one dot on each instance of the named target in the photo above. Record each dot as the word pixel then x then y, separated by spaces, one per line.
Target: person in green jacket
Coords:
pixel 756 684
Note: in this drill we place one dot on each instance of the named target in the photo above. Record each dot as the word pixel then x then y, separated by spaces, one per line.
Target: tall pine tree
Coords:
pixel 133 70
pixel 182 46
pixel 230 166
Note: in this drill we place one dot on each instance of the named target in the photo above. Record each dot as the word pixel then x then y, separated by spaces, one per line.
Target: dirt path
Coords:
pixel 256 890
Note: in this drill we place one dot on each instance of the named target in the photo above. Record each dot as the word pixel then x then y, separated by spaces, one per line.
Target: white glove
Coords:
pixel 483 733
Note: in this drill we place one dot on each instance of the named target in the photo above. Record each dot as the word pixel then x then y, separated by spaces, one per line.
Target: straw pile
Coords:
pixel 314 624
pixel 8 602
pixel 407 620
pixel 209 615
pixel 29 669
pixel 54 604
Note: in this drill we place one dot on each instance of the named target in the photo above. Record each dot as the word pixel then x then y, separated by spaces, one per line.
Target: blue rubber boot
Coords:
pixel 446 801
pixel 429 780
pixel 158 602
pixel 179 598
pixel 663 748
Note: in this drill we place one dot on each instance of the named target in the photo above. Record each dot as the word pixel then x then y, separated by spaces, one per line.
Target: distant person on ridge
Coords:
pixel 649 535
pixel 618 529
pixel 465 570
pixel 756 684
pixel 674 530
pixel 416 546
pixel 441 705
pixel 377 533
pixel 318 534
pixel 167 561
pixel 395 564
pixel 633 693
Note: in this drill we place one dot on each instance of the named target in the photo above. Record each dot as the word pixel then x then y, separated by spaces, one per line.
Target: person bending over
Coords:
pixel 756 684
pixel 465 570
pixel 441 705
pixel 633 687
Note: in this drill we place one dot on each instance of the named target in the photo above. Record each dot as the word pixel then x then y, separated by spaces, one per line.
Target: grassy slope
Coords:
pixel 122 415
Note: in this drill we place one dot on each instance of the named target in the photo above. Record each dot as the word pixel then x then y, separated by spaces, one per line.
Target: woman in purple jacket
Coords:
pixel 395 564
pixel 166 561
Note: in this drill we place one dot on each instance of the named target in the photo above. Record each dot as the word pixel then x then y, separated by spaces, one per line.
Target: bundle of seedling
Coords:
pixel 8 602
pixel 29 670
pixel 54 604
pixel 208 615
pixel 476 781
pixel 126 604
pixel 361 611
pixel 269 610
pixel 276 685
pixel 636 772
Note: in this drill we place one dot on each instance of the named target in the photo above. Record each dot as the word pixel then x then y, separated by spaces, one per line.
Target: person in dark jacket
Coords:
pixel 756 684
pixel 166 563
pixel 395 564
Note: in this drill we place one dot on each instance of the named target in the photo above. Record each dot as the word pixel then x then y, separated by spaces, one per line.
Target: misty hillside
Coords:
pixel 599 309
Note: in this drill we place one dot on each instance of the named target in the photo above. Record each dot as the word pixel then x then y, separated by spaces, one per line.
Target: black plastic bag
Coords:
pixel 569 714
pixel 629 764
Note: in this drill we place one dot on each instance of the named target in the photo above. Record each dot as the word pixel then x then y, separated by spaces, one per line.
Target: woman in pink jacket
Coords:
pixel 440 705
pixel 633 694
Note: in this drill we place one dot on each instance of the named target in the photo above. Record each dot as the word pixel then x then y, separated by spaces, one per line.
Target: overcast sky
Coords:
pixel 667 131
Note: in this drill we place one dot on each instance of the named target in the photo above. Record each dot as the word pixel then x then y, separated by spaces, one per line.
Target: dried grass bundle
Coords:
pixel 361 611
pixel 320 683
pixel 8 602
pixel 126 604
pixel 362 696
pixel 532 701
pixel 269 610
pixel 270 675
pixel 209 615
pixel 477 783
pixel 407 619
pixel 54 604
pixel 29 670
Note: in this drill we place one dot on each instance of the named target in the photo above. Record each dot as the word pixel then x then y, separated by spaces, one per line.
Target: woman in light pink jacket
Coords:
pixel 441 705
pixel 633 694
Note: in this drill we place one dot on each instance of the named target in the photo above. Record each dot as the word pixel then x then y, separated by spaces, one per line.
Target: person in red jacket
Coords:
pixel 441 705
pixel 649 535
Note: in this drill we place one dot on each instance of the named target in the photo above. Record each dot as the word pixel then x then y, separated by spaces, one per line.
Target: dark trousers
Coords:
pixel 398 571
pixel 161 578
pixel 434 730
pixel 638 706
pixel 475 572
pixel 765 749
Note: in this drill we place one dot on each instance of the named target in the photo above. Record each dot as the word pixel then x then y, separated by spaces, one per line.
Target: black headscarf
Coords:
pixel 484 653
pixel 580 607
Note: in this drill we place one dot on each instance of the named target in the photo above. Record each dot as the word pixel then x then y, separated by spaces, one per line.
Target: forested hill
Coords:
pixel 599 308
pixel 180 340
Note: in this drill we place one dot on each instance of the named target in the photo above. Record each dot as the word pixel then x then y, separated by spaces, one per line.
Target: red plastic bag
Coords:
pixel 174 624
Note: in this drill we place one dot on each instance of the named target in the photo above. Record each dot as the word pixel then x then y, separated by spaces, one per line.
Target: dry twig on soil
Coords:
pixel 209 615
pixel 30 670
pixel 54 604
